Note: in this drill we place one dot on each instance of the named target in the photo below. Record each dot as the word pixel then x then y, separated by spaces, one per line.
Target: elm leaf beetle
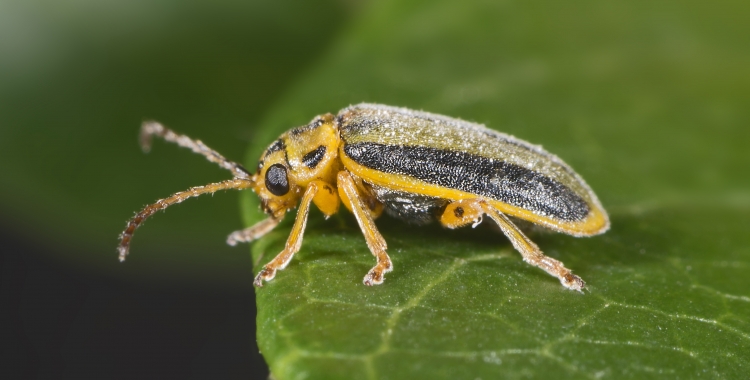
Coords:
pixel 412 165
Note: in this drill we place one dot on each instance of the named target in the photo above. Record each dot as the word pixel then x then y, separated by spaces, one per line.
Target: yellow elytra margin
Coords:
pixel 413 165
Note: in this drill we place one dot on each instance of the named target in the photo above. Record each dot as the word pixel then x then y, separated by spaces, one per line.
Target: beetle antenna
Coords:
pixel 154 128
pixel 161 204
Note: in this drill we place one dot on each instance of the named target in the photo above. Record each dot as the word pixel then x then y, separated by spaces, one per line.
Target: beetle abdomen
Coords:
pixel 413 208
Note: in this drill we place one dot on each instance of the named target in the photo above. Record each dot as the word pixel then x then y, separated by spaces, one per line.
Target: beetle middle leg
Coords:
pixel 464 212
pixel 353 199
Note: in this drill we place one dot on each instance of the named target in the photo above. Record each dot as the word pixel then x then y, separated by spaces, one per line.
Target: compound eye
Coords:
pixel 276 181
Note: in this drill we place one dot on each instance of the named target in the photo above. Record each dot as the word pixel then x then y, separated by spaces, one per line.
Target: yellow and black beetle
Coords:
pixel 413 165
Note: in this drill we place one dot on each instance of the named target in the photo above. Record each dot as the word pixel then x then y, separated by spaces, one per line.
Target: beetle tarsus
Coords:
pixel 373 277
pixel 266 274
pixel 573 282
pixel 376 275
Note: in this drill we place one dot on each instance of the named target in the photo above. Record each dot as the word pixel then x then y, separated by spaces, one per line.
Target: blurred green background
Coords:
pixel 646 99
pixel 77 78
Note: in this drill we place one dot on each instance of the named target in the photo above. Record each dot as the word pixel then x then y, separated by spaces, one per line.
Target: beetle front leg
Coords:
pixel 350 195
pixel 293 243
pixel 461 213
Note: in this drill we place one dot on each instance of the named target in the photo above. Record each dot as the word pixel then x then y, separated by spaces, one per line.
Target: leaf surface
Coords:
pixel 647 101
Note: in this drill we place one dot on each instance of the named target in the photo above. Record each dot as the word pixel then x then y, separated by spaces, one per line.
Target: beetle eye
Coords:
pixel 276 181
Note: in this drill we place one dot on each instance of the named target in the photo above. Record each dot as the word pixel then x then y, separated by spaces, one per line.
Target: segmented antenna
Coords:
pixel 161 204
pixel 243 179
pixel 153 128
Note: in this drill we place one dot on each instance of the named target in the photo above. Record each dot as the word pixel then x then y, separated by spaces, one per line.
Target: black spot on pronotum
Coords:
pixel 459 212
pixel 275 147
pixel 313 158
pixel 276 181
pixel 307 128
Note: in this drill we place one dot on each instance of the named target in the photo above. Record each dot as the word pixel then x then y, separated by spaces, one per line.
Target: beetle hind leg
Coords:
pixel 464 212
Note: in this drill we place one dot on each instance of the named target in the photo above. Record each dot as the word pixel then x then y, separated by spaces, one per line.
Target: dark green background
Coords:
pixel 646 99
pixel 76 80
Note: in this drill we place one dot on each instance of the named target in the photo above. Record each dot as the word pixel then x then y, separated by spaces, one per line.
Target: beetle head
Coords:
pixel 296 158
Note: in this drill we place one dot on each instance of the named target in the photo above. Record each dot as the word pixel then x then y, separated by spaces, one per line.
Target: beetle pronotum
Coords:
pixel 413 165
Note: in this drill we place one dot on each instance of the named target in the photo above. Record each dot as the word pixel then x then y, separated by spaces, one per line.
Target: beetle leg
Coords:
pixel 364 193
pixel 349 193
pixel 463 212
pixel 374 206
pixel 255 232
pixel 294 242
pixel 153 128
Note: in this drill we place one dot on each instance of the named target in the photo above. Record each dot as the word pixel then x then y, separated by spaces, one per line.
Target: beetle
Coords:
pixel 412 165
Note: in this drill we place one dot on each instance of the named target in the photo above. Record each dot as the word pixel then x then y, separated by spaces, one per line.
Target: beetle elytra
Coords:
pixel 413 165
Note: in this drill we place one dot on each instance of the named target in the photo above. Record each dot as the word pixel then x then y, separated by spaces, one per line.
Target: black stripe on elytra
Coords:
pixel 474 174
pixel 313 158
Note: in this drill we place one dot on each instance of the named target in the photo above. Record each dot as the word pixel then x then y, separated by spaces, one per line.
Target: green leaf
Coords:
pixel 647 100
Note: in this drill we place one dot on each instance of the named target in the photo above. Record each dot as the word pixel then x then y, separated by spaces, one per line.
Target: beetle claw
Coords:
pixel 266 274
pixel 573 282
pixel 373 277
